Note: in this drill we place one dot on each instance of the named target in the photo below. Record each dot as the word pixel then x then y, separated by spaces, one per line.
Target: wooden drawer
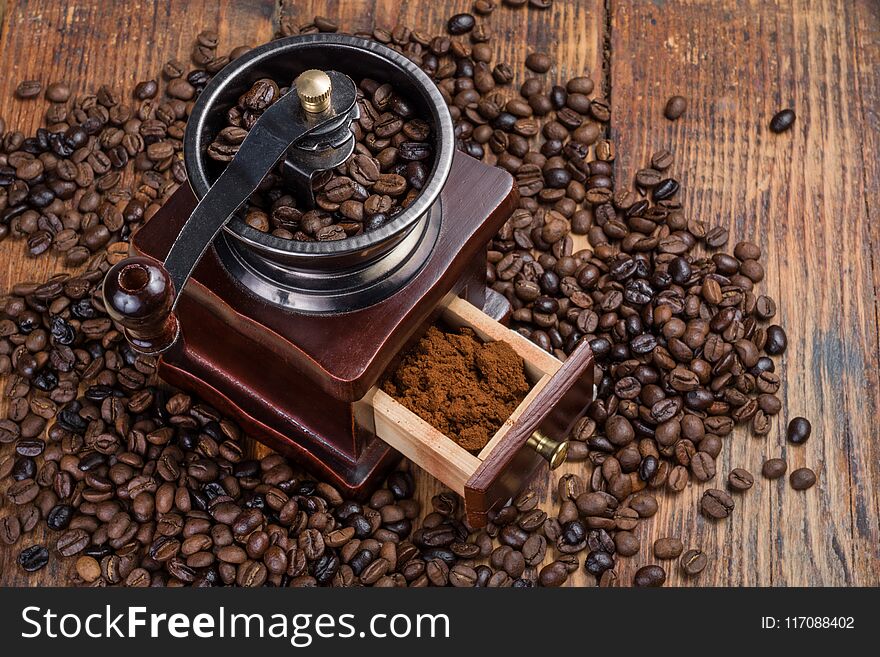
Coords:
pixel 559 396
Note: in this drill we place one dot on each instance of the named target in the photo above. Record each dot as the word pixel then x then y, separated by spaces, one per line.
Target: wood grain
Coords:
pixel 865 459
pixel 803 197
pixel 92 42
pixel 809 193
pixel 516 33
pixel 88 43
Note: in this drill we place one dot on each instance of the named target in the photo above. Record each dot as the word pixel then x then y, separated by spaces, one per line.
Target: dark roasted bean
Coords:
pixel 774 468
pixel 782 120
pixel 693 562
pixel 799 430
pixel 649 576
pixel 675 107
pixel 34 557
pixel 460 24
pixel 716 504
pixel 802 479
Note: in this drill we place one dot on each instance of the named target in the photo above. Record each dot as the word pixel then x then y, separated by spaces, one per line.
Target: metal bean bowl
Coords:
pixel 341 275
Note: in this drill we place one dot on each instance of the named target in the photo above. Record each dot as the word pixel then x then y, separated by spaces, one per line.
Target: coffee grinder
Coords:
pixel 292 338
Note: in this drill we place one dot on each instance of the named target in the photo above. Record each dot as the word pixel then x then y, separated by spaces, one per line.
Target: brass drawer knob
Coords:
pixel 553 451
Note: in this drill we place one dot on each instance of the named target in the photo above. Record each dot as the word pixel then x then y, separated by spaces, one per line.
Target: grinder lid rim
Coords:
pixel 196 136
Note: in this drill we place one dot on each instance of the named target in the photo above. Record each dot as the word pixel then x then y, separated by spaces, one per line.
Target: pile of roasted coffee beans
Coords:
pixel 69 188
pixel 141 485
pixel 392 159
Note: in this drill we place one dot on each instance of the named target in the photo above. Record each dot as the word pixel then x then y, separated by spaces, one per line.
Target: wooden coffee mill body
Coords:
pixel 308 383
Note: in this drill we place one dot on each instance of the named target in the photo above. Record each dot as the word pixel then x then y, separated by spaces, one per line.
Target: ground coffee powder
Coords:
pixel 462 386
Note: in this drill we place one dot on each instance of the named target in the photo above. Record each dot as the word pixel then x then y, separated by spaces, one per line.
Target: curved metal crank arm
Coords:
pixel 141 295
pixel 279 128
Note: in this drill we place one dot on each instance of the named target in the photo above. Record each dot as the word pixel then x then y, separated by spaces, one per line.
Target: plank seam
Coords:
pixel 3 14
pixel 849 570
pixel 863 119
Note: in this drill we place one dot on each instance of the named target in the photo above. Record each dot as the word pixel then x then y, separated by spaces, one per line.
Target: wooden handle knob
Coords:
pixel 139 295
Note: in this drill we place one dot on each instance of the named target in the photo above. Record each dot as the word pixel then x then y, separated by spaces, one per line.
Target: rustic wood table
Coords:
pixel 808 197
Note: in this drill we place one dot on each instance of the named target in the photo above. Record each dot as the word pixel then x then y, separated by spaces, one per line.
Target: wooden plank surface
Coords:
pixel 866 460
pixel 810 193
pixel 89 43
pixel 802 196
pixel 94 42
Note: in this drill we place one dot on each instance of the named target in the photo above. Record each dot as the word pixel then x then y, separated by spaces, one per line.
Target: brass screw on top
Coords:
pixel 313 88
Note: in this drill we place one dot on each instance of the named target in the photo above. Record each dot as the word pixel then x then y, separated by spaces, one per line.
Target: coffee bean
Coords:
pixel 180 88
pixel 760 424
pixel 538 62
pixel 649 576
pixel 693 562
pixel 675 107
pixel 702 466
pixel 460 24
pixel 661 160
pixel 747 251
pixel 665 189
pixel 10 529
pixel 717 237
pixel 28 89
pixel 626 543
pixel 9 431
pixel 60 516
pixel 774 468
pixel 23 491
pixel 765 307
pixel 644 504
pixel 782 120
pixel 716 504
pixel 740 479
pixel 33 558
pixel 668 548
pixel 799 430
pixel 648 177
pixel 58 92
pixel 88 569
pixel 379 567
pixel 484 7
pixel 802 479
pixel 597 562
pixel 553 575
pixel 462 576
pixel 146 89
pixel 678 479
